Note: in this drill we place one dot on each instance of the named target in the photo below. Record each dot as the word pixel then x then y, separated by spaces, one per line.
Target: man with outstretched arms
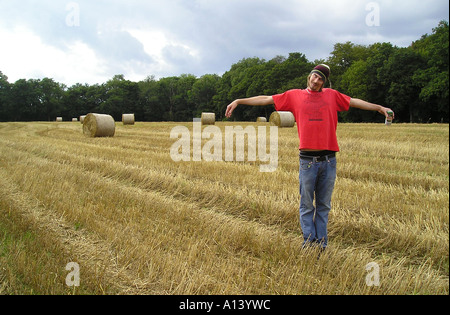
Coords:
pixel 316 112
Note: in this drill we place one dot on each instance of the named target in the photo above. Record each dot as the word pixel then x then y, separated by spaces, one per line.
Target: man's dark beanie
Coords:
pixel 323 71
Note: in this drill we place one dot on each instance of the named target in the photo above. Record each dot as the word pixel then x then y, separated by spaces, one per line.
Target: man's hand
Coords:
pixel 385 111
pixel 230 109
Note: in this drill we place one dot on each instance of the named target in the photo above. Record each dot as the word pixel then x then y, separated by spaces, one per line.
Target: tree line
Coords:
pixel 413 81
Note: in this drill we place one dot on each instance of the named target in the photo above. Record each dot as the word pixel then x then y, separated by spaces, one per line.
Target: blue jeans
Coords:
pixel 317 180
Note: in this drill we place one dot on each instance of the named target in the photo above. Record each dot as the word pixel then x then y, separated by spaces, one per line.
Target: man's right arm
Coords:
pixel 262 100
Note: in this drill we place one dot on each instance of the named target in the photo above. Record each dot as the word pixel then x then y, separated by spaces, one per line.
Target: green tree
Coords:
pixel 342 57
pixel 95 97
pixel 287 73
pixel 26 98
pixel 242 75
pixel 361 81
pixel 5 88
pixel 434 78
pixel 222 97
pixel 167 92
pixel 152 108
pixel 75 101
pixel 403 91
pixel 203 91
pixel 245 79
pixel 184 106
pixel 51 97
pixel 121 97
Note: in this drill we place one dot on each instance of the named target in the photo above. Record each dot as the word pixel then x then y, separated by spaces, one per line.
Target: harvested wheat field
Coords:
pixel 136 222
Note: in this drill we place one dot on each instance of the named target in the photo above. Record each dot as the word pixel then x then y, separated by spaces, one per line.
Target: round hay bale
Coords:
pixel 128 119
pixel 282 119
pixel 82 118
pixel 208 119
pixel 59 119
pixel 261 119
pixel 99 125
pixel 75 119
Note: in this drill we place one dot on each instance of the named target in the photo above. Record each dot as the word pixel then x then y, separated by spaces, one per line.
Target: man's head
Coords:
pixel 318 77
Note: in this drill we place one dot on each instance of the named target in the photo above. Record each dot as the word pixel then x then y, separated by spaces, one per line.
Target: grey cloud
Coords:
pixel 120 46
pixel 220 31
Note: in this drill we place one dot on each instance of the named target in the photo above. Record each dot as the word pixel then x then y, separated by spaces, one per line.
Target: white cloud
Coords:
pixel 28 57
pixel 167 54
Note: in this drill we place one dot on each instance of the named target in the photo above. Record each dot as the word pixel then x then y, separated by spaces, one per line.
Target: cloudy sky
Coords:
pixel 90 41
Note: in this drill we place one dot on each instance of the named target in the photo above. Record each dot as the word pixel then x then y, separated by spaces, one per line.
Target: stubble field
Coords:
pixel 136 222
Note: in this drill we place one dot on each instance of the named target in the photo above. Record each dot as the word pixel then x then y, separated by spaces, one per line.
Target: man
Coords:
pixel 315 110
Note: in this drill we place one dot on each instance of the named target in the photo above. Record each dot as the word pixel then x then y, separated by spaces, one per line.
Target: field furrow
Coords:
pixel 140 223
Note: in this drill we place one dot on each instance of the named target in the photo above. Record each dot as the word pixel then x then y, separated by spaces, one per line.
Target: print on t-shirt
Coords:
pixel 315 108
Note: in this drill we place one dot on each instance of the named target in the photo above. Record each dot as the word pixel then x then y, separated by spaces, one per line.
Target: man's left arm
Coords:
pixel 357 103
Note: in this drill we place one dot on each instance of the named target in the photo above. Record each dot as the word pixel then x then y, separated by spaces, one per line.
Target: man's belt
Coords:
pixel 316 156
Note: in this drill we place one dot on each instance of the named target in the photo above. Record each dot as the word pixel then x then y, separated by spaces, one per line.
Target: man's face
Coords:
pixel 315 82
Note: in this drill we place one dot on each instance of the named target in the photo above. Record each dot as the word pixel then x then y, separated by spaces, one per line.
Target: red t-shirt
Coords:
pixel 315 114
